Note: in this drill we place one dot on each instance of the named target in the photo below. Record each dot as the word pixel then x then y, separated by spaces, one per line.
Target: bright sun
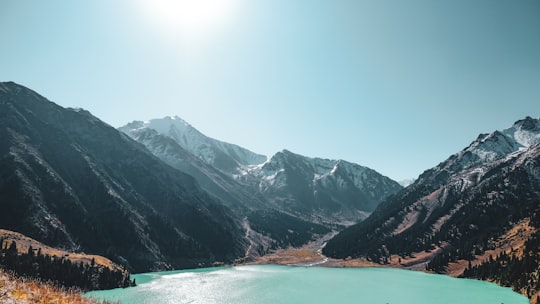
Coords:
pixel 189 17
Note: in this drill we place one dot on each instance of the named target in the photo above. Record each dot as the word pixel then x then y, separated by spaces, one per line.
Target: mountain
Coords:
pixel 69 180
pixel 320 191
pixel 26 257
pixel 479 203
pixel 226 157
pixel 259 219
pixel 286 200
pixel 216 182
pixel 331 191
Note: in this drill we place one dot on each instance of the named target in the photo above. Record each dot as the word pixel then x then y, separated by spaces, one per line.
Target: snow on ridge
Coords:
pixel 517 137
pixel 496 145
pixel 524 138
pixel 204 147
pixel 327 171
pixel 525 132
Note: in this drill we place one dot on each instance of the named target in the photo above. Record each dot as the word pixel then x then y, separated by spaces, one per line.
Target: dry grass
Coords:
pixel 21 291
pixel 310 253
pixel 289 256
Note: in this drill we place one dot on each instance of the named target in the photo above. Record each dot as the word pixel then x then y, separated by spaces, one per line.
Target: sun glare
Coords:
pixel 189 17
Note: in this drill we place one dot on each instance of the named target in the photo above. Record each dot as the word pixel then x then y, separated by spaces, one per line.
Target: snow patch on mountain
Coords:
pixel 406 182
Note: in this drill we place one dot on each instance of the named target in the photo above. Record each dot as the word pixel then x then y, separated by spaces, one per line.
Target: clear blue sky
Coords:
pixel 397 86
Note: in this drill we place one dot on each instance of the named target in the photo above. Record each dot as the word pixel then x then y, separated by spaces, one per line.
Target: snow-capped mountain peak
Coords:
pixel 525 132
pixel 496 145
pixel 226 157
pixel 322 182
pixel 522 134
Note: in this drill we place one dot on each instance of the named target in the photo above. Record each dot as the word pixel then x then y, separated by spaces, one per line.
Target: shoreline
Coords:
pixel 310 255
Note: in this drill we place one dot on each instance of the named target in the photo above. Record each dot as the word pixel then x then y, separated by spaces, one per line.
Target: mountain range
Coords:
pixel 301 193
pixel 220 155
pixel 159 194
pixel 166 196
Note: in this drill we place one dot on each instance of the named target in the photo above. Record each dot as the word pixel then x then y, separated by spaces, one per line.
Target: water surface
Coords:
pixel 284 284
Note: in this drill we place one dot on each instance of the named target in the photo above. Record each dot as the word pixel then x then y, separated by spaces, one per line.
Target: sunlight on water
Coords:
pixel 282 284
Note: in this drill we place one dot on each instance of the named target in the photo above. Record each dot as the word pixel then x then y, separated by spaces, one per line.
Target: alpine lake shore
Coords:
pixel 311 255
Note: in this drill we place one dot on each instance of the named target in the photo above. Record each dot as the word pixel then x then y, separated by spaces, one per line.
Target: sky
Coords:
pixel 397 86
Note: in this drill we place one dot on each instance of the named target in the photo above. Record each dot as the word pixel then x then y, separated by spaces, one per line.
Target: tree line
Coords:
pixel 522 272
pixel 61 271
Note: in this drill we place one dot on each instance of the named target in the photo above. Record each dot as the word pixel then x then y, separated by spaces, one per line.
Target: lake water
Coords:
pixel 284 284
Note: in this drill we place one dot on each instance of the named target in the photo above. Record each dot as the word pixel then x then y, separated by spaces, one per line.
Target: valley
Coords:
pixel 159 195
pixel 310 254
pixel 274 151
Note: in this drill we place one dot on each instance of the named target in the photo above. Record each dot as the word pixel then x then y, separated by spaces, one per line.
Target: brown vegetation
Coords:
pixel 512 241
pixel 20 290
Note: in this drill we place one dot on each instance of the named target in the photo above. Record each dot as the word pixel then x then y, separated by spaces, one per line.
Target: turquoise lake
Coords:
pixel 263 284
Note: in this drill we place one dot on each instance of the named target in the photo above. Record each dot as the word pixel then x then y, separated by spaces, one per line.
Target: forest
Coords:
pixel 60 271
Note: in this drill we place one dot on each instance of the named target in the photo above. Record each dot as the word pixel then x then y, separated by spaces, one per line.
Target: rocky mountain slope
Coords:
pixel 213 180
pixel 69 180
pixel 323 190
pixel 266 227
pixel 459 210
